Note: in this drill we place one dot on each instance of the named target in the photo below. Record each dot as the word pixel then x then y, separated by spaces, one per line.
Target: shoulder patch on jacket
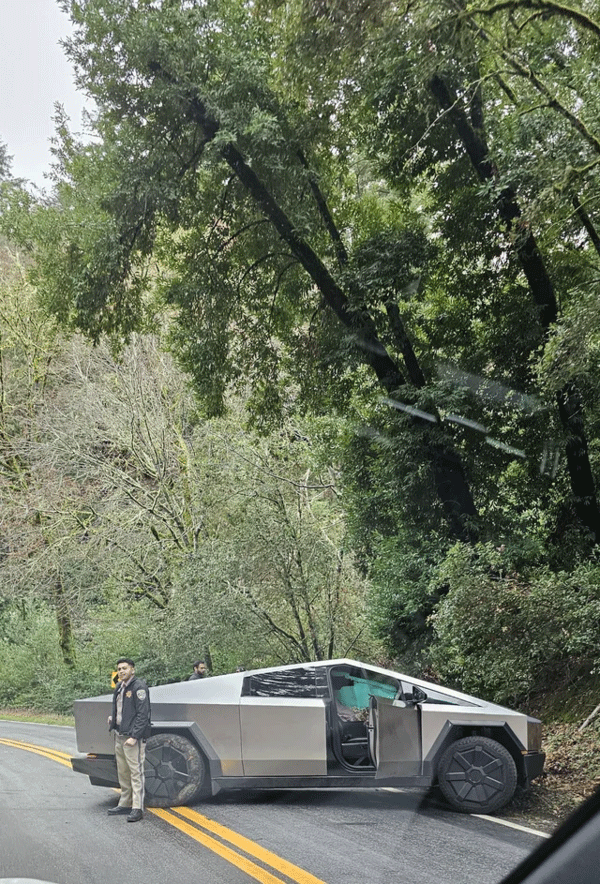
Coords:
pixel 141 694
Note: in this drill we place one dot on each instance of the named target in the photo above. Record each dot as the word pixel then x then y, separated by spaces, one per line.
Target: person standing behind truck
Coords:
pixel 130 720
pixel 200 670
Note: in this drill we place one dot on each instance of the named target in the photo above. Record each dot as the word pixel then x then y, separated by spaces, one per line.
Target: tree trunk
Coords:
pixel 542 290
pixel 449 474
pixel 454 492
pixel 582 480
pixel 66 639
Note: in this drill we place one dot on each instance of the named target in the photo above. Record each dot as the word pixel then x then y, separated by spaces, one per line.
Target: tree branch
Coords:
pixel 330 225
pixel 476 147
pixel 546 6
pixel 404 345
pixel 587 223
pixel 568 399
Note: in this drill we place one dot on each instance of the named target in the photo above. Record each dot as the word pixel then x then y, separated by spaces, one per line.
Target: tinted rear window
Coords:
pixel 299 683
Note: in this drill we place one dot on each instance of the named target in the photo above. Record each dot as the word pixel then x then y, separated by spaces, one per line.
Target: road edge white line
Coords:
pixel 511 825
pixel 482 816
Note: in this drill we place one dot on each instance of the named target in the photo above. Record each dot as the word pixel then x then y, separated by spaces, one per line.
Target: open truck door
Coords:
pixel 395 738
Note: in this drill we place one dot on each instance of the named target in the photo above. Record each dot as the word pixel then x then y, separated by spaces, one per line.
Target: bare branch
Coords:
pixel 546 6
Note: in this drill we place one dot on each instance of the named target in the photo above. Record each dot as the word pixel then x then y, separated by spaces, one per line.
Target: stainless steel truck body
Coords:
pixel 334 723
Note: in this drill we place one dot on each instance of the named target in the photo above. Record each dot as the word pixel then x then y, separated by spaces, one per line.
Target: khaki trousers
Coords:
pixel 130 769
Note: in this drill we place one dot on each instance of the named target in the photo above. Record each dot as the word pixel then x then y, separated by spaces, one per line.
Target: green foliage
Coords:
pixel 274 572
pixel 405 590
pixel 32 673
pixel 277 193
pixel 152 532
pixel 5 162
pixel 507 629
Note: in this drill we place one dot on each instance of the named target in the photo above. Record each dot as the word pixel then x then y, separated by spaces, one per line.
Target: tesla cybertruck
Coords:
pixel 328 724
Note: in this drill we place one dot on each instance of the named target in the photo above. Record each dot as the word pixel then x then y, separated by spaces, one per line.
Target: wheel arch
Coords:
pixel 194 734
pixel 501 732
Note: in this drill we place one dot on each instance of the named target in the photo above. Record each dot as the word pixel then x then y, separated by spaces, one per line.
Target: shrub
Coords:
pixel 504 634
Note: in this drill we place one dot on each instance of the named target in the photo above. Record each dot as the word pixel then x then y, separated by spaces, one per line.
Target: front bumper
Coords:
pixel 101 769
pixel 534 765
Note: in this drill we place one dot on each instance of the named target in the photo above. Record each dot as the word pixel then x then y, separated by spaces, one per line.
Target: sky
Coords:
pixel 34 74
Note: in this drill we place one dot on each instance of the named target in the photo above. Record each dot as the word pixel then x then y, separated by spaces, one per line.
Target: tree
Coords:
pixel 120 503
pixel 29 345
pixel 513 97
pixel 352 210
pixel 5 162
pixel 438 92
pixel 274 570
pixel 204 165
pixel 466 112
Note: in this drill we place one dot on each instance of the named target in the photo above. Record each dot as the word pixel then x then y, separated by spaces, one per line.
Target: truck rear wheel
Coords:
pixel 477 775
pixel 176 772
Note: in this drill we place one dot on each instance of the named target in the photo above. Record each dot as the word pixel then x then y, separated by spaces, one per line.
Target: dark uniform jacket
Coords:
pixel 135 721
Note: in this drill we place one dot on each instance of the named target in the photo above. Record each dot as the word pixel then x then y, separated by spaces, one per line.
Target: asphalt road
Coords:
pixel 54 827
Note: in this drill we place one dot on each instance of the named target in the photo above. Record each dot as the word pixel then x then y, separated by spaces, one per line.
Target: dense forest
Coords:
pixel 300 350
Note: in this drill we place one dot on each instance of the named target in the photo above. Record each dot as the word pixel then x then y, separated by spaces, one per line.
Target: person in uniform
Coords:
pixel 130 721
pixel 200 670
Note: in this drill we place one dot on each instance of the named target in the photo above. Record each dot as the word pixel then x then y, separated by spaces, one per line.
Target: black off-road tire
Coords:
pixel 176 772
pixel 477 775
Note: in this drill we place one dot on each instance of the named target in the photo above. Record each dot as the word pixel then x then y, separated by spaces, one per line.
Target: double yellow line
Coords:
pixel 53 754
pixel 229 845
pixel 202 825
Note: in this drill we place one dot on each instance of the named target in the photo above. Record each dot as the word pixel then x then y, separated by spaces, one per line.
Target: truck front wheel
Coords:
pixel 477 775
pixel 176 772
